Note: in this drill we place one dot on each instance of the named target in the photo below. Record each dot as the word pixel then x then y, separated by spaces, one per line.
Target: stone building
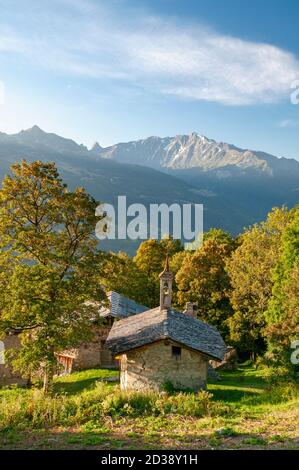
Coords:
pixel 94 353
pixel 7 375
pixel 163 345
pixel 89 354
pixel 229 361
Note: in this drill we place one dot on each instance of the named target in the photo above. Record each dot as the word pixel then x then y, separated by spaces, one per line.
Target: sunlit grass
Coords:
pixel 82 380
pixel 88 409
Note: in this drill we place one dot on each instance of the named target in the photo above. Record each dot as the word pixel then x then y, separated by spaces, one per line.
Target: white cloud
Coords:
pixel 191 62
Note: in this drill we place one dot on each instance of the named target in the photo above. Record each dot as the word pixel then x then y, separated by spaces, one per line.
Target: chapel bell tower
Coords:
pixel 166 278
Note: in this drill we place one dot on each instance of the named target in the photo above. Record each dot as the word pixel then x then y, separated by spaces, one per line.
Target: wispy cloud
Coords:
pixel 191 62
pixel 287 123
pixel 2 93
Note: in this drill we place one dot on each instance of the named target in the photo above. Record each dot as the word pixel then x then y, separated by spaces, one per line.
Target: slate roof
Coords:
pixel 121 306
pixel 154 325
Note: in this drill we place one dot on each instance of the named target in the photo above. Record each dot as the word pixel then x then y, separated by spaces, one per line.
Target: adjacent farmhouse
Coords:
pixel 94 353
pixel 89 354
pixel 163 345
pixel 7 375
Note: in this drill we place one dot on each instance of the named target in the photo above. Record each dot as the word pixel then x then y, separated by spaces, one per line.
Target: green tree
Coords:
pixel 250 269
pixel 120 273
pixel 286 329
pixel 48 261
pixel 175 264
pixel 170 246
pixel 150 259
pixel 204 280
pixel 281 312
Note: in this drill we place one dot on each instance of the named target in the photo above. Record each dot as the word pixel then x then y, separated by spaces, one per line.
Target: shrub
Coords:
pixel 18 408
pixel 283 392
pixel 226 432
pixel 168 387
pixel 21 408
pixel 31 407
pixel 129 403
pixel 277 375
pixel 186 404
pixel 155 403
pixel 255 441
pixel 276 393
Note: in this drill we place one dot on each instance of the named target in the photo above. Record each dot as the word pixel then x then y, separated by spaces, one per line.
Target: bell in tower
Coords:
pixel 166 278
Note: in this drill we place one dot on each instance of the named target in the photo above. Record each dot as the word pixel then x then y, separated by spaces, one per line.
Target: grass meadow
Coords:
pixel 245 410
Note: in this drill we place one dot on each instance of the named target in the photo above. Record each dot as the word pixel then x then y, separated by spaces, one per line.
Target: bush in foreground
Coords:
pixel 20 408
pixel 75 405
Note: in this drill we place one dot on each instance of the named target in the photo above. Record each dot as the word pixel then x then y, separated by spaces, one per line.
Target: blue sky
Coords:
pixel 120 70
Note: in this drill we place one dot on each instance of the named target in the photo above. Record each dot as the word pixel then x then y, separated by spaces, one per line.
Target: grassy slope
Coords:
pixel 257 419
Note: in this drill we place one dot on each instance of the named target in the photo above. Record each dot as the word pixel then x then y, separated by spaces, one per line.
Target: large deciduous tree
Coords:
pixel 203 279
pixel 250 269
pixel 282 313
pixel 48 262
pixel 120 273
pixel 150 260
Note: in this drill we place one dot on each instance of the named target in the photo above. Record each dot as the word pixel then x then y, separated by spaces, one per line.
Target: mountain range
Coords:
pixel 237 187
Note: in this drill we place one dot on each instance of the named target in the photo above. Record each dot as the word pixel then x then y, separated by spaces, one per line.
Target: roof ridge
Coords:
pixel 156 324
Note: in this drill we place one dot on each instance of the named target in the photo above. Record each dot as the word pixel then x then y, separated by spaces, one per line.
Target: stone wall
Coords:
pixel 88 355
pixel 150 367
pixel 92 353
pixel 229 361
pixel 7 376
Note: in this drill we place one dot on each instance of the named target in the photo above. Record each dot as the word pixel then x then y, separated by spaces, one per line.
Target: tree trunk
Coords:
pixel 29 381
pixel 48 379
